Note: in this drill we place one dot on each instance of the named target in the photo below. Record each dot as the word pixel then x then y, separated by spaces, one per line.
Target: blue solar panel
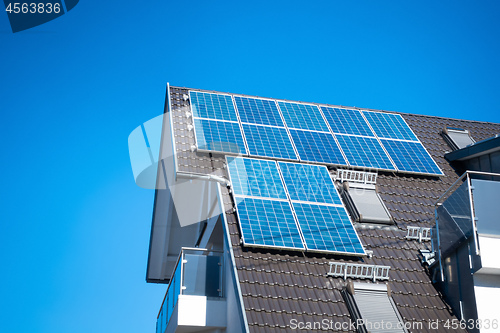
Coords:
pixel 268 141
pixel 257 178
pixel 212 106
pixel 411 156
pixel 346 121
pixel 303 116
pixel 389 126
pixel 258 111
pixel 317 147
pixel 306 182
pixel 364 152
pixel 268 223
pixel 327 228
pixel 220 136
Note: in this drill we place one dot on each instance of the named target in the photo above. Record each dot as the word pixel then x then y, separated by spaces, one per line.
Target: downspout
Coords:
pixel 218 179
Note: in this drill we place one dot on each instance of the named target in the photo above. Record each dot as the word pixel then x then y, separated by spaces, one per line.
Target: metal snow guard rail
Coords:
pixel 420 233
pixel 357 176
pixel 359 271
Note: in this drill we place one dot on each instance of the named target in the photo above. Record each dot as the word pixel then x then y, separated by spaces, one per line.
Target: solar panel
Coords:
pixel 346 121
pixel 364 152
pixel 267 141
pixel 411 156
pixel 389 126
pixel 327 228
pixel 258 111
pixel 317 147
pixel 303 116
pixel 254 177
pixel 219 136
pixel 305 182
pixel 268 223
pixel 212 106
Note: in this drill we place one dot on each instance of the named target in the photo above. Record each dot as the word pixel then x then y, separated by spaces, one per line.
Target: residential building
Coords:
pixel 280 216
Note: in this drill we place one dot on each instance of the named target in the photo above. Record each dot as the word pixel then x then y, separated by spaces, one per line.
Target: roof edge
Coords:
pixel 477 149
pixel 337 105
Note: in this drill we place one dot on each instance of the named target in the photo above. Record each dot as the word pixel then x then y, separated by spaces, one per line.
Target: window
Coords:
pixel 457 138
pixel 359 192
pixel 372 308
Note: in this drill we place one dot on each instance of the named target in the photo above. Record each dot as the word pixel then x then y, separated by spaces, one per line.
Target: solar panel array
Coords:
pixel 303 116
pixel 268 141
pixel 268 223
pixel 255 178
pixel 410 156
pixel 216 123
pixel 212 106
pixel 319 233
pixel 260 127
pixel 258 111
pixel 389 126
pixel 364 152
pixel 291 206
pixel 345 121
pixel 317 147
pixel 306 182
pixel 221 136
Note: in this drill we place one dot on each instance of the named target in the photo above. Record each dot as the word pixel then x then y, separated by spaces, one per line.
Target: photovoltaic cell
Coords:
pixel 258 111
pixel 346 121
pixel 220 136
pixel 307 182
pixel 303 116
pixel 269 141
pixel 317 147
pixel 254 177
pixel 268 223
pixel 327 228
pixel 364 152
pixel 411 156
pixel 389 126
pixel 212 106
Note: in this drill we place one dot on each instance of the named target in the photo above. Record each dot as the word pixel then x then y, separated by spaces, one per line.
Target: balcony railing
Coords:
pixel 197 272
pixel 468 208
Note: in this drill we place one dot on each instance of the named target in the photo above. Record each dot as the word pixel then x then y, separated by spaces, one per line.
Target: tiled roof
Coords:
pixel 278 286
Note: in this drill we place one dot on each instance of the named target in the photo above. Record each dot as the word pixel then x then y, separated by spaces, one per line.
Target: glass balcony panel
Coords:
pixel 199 272
pixel 202 275
pixel 486 206
pixel 177 285
pixel 455 222
pixel 170 300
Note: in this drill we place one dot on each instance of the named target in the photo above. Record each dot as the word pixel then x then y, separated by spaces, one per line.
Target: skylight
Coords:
pixel 457 138
pixel 359 192
pixel 372 308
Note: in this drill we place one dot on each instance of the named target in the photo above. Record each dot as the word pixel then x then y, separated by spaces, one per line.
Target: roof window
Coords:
pixel 359 193
pixel 372 308
pixel 457 138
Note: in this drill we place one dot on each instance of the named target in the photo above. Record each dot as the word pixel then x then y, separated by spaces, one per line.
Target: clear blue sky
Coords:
pixel 74 226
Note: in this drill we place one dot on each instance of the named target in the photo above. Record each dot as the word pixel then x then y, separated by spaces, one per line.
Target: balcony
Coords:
pixel 468 211
pixel 467 243
pixel 194 300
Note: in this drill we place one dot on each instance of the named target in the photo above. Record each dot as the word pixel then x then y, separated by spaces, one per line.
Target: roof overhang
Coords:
pixel 478 149
pixel 182 201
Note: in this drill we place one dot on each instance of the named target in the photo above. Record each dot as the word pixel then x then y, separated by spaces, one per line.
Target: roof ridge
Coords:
pixel 340 106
